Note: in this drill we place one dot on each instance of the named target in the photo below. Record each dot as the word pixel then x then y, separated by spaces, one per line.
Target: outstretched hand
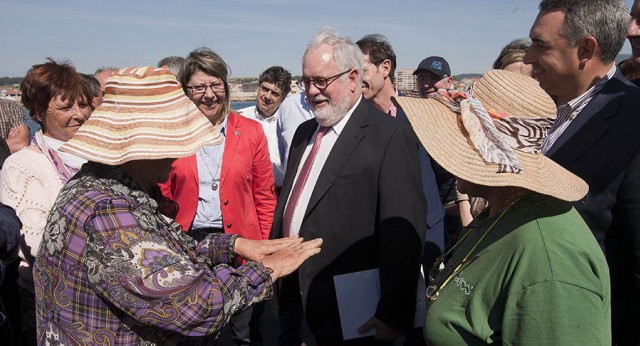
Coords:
pixel 255 250
pixel 286 260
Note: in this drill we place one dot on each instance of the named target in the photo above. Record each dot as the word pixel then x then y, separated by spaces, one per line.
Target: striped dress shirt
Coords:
pixel 568 112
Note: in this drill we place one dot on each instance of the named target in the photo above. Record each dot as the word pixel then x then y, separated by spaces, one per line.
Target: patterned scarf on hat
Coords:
pixel 495 134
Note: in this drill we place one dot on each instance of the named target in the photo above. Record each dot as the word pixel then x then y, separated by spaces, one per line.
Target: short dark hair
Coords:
pixel 43 82
pixel 279 76
pixel 378 48
pixel 606 20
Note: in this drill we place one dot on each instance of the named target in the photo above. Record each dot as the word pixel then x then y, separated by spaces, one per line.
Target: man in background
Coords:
pixel 274 84
pixel 13 128
pixel 102 74
pixel 378 86
pixel 595 134
pixel 172 63
pixel 433 73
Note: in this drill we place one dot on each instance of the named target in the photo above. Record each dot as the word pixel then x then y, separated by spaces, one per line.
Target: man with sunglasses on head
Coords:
pixel 352 179
pixel 378 86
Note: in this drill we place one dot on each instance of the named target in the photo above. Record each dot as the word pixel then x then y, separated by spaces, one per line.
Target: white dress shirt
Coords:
pixel 327 144
pixel 269 127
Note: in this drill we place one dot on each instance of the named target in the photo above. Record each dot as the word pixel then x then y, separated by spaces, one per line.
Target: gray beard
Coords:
pixel 332 113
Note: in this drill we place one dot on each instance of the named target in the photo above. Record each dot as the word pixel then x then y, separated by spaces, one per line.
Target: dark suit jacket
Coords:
pixel 369 208
pixel 602 146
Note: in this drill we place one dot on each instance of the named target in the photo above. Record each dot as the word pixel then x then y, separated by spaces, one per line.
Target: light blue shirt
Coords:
pixel 293 111
pixel 209 159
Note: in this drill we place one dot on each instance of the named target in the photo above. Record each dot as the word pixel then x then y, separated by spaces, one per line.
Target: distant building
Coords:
pixel 405 80
pixel 11 93
pixel 250 87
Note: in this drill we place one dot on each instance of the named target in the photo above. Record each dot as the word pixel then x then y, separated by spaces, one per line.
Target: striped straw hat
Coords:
pixel 145 116
pixel 493 135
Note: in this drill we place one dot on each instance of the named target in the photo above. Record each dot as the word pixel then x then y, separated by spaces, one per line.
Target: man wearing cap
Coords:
pixel 352 178
pixel 433 73
pixel 378 88
pixel 595 134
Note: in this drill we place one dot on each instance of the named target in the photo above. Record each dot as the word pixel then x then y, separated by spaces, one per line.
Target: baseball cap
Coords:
pixel 435 64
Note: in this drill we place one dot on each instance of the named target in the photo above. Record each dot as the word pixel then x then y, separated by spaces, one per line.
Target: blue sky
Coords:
pixel 253 35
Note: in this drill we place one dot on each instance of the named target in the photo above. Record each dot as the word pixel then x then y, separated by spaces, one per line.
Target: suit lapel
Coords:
pixel 589 126
pixel 348 140
pixel 232 137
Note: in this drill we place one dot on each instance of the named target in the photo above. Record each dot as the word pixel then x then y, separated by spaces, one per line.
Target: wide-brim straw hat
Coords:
pixel 145 115
pixel 441 132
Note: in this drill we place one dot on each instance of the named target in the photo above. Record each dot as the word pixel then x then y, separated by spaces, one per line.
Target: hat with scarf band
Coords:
pixel 145 116
pixel 491 134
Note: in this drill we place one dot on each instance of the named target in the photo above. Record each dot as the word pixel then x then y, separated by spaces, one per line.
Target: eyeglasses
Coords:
pixel 201 89
pixel 319 82
pixel 431 79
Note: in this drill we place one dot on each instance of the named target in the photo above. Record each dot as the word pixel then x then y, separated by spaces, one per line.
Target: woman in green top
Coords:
pixel 527 270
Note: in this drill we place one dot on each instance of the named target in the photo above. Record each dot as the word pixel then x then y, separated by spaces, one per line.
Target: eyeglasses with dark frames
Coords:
pixel 201 89
pixel 319 82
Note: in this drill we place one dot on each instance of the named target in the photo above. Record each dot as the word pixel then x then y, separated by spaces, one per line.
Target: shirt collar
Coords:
pixel 261 118
pixel 583 99
pixel 339 126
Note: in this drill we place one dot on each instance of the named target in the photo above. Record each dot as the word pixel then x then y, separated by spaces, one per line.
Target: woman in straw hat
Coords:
pixel 113 267
pixel 527 270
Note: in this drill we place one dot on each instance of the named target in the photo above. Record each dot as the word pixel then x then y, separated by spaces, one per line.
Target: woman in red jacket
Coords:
pixel 229 187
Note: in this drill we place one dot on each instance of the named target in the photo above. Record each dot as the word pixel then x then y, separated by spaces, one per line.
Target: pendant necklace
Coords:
pixel 215 184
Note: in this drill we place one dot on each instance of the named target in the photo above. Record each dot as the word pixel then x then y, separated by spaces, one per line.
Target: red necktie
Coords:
pixel 294 198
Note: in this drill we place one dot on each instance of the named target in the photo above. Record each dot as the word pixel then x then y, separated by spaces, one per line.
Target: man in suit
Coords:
pixel 353 179
pixel 595 134
pixel 378 86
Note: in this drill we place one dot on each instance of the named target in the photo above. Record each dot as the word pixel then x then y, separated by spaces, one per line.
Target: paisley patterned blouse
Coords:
pixel 112 270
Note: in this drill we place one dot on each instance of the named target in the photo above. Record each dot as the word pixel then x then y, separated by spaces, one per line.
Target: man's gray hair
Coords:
pixel 99 70
pixel 606 20
pixel 346 53
pixel 174 63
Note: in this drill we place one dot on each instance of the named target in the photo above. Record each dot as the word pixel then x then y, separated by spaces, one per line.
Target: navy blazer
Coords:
pixel 369 208
pixel 602 146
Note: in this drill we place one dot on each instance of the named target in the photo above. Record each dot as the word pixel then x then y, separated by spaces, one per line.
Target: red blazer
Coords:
pixel 247 188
